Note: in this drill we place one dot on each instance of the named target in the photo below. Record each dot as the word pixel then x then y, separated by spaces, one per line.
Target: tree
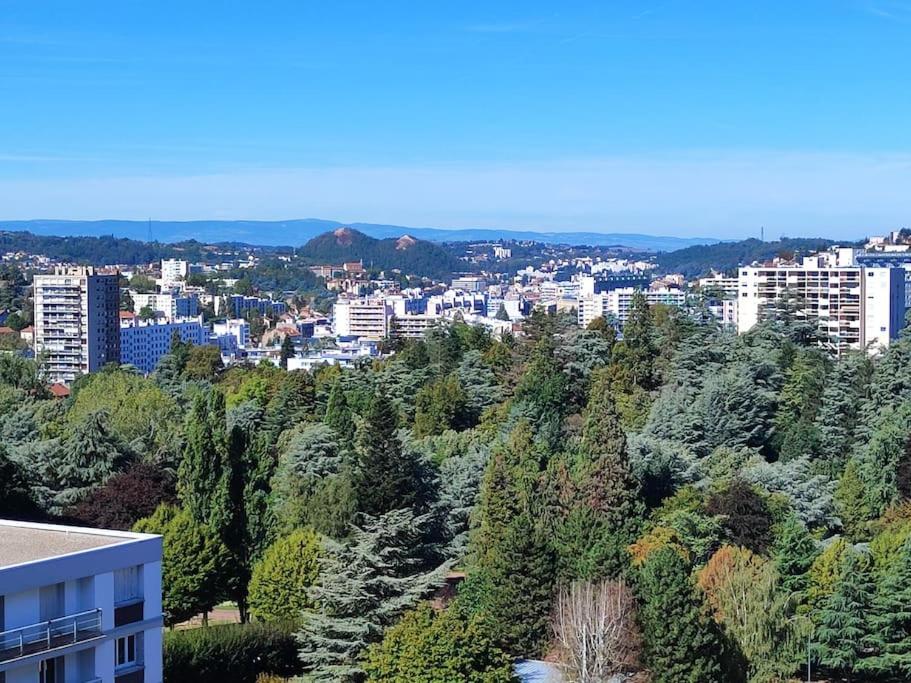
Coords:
pixel 126 498
pixel 427 646
pixel 890 620
pixel 363 587
pixel 339 415
pixel 502 314
pixel 680 644
pixel 839 412
pixel 596 630
pixel 143 284
pixel 843 621
pixel 605 510
pixel 147 313
pixel 440 406
pixel 203 362
pixel 90 455
pixel 745 515
pixel 851 502
pixel 287 351
pixel 193 562
pixel 743 591
pixel 283 576
pixel 15 494
pixel 793 552
pixel 388 477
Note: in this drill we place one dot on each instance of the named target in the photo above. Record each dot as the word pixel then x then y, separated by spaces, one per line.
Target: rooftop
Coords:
pixel 22 542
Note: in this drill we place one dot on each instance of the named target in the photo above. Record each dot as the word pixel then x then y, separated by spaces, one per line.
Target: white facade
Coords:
pixel 236 327
pixel 616 303
pixel 79 605
pixel 77 321
pixel 367 318
pixel 855 307
pixel 173 271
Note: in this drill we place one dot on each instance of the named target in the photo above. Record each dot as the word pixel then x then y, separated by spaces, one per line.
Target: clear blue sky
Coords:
pixel 661 116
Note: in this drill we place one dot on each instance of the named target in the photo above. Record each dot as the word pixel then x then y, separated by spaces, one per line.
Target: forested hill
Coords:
pixel 410 255
pixel 106 250
pixel 702 259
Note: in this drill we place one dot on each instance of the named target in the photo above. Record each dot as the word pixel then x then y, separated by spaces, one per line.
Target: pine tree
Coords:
pixel 843 620
pixel 363 587
pixel 681 645
pixel 793 552
pixel 606 511
pixel 890 623
pixel 339 415
pixel 388 477
pixel 839 412
pixel 287 351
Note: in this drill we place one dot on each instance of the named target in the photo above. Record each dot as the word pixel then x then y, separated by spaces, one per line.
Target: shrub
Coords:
pixel 230 653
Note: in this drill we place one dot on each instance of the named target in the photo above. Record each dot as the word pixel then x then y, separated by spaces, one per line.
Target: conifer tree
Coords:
pixel 388 477
pixel 890 623
pixel 364 587
pixel 339 415
pixel 793 552
pixel 681 644
pixel 843 620
pixel 287 351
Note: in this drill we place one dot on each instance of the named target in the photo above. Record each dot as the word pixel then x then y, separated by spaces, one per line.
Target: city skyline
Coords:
pixel 651 117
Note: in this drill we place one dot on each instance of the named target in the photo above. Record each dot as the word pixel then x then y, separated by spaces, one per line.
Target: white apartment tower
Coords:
pixel 79 605
pixel 77 321
pixel 367 318
pixel 854 307
pixel 173 272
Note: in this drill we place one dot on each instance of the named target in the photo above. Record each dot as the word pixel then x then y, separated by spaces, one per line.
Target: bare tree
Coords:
pixel 595 627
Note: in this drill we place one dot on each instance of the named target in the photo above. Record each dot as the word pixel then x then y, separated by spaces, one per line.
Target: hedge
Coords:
pixel 230 653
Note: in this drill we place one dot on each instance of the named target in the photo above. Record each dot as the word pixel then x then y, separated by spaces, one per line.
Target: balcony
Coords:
pixel 49 635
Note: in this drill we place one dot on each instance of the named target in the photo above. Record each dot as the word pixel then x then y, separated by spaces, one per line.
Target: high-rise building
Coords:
pixel 615 304
pixel 854 307
pixel 79 604
pixel 77 321
pixel 173 271
pixel 142 345
pixel 367 318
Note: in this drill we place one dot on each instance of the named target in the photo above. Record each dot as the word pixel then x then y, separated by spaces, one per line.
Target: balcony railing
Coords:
pixel 49 635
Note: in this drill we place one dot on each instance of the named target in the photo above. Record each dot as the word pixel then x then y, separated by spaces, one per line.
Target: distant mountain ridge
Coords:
pixel 298 231
pixel 405 253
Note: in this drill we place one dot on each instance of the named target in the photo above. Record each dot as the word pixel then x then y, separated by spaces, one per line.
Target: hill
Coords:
pixel 406 253
pixel 297 231
pixel 700 260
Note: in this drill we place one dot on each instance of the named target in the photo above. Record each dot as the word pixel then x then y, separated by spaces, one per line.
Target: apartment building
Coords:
pixel 470 284
pixel 615 303
pixel 855 307
pixel 368 318
pixel 79 605
pixel 77 321
pixel 143 345
pixel 173 272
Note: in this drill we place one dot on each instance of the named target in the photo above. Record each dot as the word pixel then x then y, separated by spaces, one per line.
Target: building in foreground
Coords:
pixel 853 306
pixel 77 321
pixel 79 605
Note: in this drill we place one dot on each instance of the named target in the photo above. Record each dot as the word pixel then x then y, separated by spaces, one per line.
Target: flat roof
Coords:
pixel 22 542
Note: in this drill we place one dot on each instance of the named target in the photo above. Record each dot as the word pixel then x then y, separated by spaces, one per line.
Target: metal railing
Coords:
pixel 49 635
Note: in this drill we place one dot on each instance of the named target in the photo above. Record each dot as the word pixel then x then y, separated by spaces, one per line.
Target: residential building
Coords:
pixel 79 605
pixel 368 318
pixel 470 284
pixel 615 304
pixel 855 307
pixel 77 321
pixel 173 272
pixel 265 306
pixel 235 327
pixel 143 345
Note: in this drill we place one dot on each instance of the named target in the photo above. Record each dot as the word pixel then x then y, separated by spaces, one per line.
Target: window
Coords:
pixel 127 584
pixel 127 651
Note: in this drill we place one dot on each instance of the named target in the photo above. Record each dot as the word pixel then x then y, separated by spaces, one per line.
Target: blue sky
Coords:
pixel 660 116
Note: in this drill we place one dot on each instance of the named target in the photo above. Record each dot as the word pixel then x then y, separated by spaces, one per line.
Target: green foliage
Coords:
pixel 431 647
pixel 890 619
pixel 283 576
pixel 680 643
pixel 843 619
pixel 193 563
pixel 230 653
pixel 364 586
pixel 387 476
pixel 851 501
pixel 793 553
pixel 440 406
pixel 203 362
